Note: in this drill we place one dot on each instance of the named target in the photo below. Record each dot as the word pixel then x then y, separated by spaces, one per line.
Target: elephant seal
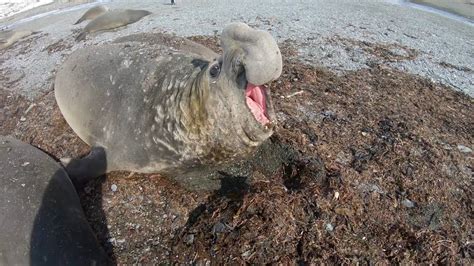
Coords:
pixel 41 219
pixel 9 37
pixel 92 13
pixel 111 20
pixel 163 104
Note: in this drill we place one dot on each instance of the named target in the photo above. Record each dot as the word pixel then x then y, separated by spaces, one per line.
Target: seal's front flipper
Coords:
pixel 83 170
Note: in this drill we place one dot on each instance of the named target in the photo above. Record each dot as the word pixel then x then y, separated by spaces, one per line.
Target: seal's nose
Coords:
pixel 261 59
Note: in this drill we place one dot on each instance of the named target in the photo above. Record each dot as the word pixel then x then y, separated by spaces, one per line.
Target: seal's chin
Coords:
pixel 256 100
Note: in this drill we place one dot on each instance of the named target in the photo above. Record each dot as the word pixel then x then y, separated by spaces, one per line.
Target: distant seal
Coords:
pixel 9 37
pixel 41 219
pixel 162 104
pixel 111 20
pixel 92 13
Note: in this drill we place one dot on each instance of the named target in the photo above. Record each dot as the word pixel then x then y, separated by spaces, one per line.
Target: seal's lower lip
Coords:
pixel 256 101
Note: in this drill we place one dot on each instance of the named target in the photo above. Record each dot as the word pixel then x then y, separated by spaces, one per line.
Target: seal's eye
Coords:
pixel 215 70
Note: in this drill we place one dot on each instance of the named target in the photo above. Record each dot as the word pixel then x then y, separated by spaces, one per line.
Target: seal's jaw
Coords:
pixel 255 98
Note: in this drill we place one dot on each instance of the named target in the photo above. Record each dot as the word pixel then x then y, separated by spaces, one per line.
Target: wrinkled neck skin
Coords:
pixel 200 121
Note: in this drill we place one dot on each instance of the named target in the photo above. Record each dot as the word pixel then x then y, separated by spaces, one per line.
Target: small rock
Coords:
pixel 23 185
pixel 246 254
pixel 408 203
pixel 189 239
pixel 328 115
pixel 464 149
pixel 25 163
pixel 22 119
pixel 364 134
pixel 113 188
pixel 329 227
pixel 336 195
pixel 219 228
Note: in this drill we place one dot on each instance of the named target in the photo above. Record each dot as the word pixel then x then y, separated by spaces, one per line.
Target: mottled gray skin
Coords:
pixel 111 20
pixel 92 13
pixel 41 218
pixel 150 101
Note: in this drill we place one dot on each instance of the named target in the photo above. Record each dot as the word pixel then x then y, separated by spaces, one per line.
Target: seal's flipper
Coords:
pixel 86 169
pixel 79 21
pixel 81 36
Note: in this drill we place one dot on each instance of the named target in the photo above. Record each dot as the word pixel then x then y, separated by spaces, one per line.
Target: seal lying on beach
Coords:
pixel 9 37
pixel 112 19
pixel 41 218
pixel 162 104
pixel 92 13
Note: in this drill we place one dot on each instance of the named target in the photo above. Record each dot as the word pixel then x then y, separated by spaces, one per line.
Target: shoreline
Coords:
pixel 460 8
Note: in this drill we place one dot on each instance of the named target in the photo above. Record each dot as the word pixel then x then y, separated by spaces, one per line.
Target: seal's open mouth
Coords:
pixel 257 102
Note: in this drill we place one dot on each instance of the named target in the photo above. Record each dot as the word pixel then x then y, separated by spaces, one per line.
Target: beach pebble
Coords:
pixel 246 254
pixel 408 203
pixel 218 228
pixel 464 149
pixel 113 188
pixel 329 227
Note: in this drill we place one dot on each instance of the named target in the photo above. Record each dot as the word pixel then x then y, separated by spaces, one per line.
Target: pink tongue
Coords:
pixel 256 102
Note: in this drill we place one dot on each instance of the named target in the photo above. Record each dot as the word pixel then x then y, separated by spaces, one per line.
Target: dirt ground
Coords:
pixel 371 166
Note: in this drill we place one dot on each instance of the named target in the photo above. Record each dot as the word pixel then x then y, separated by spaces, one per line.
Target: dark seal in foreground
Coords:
pixel 155 103
pixel 41 219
